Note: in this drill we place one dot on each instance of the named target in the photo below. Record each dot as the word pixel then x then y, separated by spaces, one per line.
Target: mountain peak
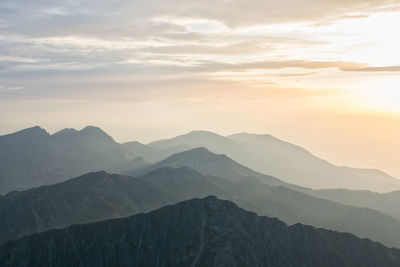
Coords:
pixel 249 136
pixel 92 129
pixel 65 131
pixel 202 132
pixel 34 130
pixel 199 149
pixel 95 131
pixel 88 131
pixel 196 232
pixel 28 132
pixel 194 139
pixel 198 153
pixel 203 136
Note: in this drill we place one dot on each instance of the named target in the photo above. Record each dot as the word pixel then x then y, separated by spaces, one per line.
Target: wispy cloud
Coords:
pixel 15 88
pixel 375 69
pixel 269 45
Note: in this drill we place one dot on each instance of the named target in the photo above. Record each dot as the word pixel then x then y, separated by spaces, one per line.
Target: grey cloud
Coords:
pixel 27 28
pixel 303 64
pixel 47 17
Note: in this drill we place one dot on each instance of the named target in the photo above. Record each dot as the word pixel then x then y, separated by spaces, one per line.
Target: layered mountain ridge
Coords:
pixel 33 157
pixel 288 162
pixel 198 232
pixel 98 196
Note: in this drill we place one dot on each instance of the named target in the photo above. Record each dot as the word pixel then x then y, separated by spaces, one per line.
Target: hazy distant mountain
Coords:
pixel 377 174
pixel 24 157
pixel 196 139
pixel 209 163
pixel 277 158
pixel 198 232
pixel 388 203
pixel 150 154
pixel 136 163
pixel 33 157
pixel 98 196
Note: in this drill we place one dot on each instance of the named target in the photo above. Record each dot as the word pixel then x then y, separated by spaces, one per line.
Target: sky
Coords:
pixel 322 74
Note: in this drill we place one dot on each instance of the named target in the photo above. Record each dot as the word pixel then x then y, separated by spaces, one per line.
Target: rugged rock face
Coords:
pixel 198 232
pixel 98 196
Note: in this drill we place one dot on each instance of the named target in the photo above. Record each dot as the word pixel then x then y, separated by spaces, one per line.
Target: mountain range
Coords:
pixel 208 163
pixel 33 157
pixel 53 220
pixel 220 165
pixel 198 232
pixel 290 163
pixel 98 196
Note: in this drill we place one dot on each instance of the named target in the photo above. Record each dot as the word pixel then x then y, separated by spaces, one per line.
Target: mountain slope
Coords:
pixel 297 166
pixel 198 232
pixel 149 153
pixel 209 163
pixel 24 157
pixel 93 197
pixel 291 163
pixel 32 157
pixel 388 203
pixel 98 196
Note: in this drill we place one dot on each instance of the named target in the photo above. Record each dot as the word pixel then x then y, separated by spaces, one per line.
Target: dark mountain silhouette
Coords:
pixel 99 196
pixel 198 232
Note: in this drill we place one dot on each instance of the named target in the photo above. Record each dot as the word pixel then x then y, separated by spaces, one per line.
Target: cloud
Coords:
pixel 304 64
pixel 163 33
pixel 90 17
pixel 10 88
pixel 374 69
pixel 174 44
pixel 15 88
pixel 16 59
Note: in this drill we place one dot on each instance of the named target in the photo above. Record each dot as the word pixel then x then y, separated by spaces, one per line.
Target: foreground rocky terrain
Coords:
pixel 198 232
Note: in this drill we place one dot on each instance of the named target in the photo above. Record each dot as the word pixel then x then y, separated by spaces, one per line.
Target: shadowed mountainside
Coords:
pixel 388 203
pixel 99 196
pixel 198 232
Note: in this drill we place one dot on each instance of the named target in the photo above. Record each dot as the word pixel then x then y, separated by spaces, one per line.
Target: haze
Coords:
pixel 324 76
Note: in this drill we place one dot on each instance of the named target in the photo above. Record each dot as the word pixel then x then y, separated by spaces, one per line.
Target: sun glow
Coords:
pixel 387 98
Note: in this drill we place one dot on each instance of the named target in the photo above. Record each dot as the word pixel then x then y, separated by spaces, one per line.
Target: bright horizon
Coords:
pixel 325 77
